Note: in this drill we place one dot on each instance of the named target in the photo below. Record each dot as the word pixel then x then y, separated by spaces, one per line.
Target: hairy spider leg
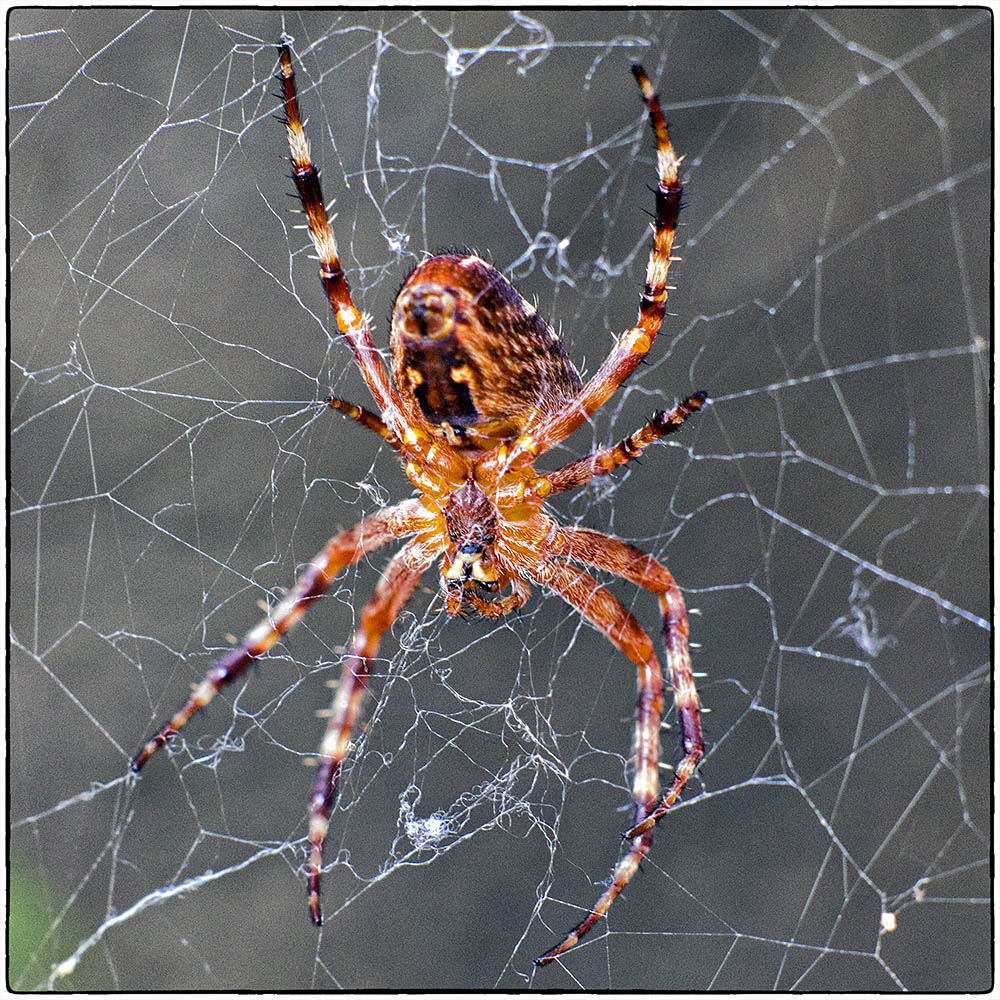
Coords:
pixel 364 417
pixel 394 589
pixel 634 345
pixel 351 323
pixel 603 610
pixel 342 550
pixel 606 460
pixel 607 553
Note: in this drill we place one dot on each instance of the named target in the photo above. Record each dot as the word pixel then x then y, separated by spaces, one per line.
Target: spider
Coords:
pixel 480 389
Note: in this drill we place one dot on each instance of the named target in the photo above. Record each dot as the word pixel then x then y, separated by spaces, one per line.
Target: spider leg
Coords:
pixel 351 323
pixel 364 417
pixel 602 609
pixel 394 589
pixel 630 350
pixel 605 460
pixel 342 550
pixel 607 553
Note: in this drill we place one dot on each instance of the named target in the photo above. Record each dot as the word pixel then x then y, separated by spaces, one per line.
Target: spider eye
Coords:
pixel 470 548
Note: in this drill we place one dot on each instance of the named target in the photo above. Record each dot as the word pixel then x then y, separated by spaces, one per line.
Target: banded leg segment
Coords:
pixel 601 608
pixel 605 460
pixel 630 563
pixel 351 323
pixel 342 550
pixel 394 589
pixel 364 417
pixel 630 350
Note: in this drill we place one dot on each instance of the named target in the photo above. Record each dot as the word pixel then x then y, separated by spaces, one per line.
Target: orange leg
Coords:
pixel 394 589
pixel 629 352
pixel 342 550
pixel 601 608
pixel 606 460
pixel 351 323
pixel 364 417
pixel 604 552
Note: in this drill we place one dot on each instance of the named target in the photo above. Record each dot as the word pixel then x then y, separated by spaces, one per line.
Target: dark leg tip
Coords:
pixel 314 908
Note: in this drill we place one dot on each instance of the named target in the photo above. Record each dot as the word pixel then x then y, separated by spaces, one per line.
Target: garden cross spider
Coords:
pixel 480 388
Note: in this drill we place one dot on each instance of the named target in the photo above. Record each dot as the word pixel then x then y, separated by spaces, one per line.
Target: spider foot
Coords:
pixel 315 909
pixel 553 953
pixel 159 740
pixel 649 822
pixel 570 941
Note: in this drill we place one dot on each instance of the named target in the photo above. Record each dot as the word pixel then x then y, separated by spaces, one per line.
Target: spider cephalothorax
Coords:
pixel 480 389
pixel 471 521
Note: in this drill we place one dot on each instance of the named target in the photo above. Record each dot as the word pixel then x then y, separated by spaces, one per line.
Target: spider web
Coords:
pixel 172 465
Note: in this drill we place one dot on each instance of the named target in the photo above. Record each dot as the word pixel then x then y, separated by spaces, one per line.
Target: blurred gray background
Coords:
pixel 172 465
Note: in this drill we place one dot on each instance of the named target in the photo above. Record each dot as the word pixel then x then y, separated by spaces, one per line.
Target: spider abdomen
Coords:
pixel 469 353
